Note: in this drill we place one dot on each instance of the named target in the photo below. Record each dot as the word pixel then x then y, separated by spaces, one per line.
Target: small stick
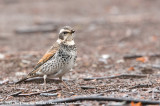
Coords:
pixel 48 79
pixel 37 93
pixel 48 94
pixel 140 86
pixel 88 87
pixel 16 94
pixel 155 66
pixel 132 56
pixel 99 98
pixel 137 56
pixel 29 94
pixel 118 76
pixel 36 79
pixel 40 78
pixel 154 55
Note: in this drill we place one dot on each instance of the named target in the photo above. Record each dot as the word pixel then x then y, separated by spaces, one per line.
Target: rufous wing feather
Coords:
pixel 48 55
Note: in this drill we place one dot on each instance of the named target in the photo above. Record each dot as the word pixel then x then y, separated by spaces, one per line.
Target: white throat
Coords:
pixel 70 42
pixel 67 43
pixel 59 41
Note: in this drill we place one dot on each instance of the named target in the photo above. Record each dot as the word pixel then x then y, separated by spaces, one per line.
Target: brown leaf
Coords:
pixel 136 104
pixel 59 95
pixel 142 59
pixel 131 69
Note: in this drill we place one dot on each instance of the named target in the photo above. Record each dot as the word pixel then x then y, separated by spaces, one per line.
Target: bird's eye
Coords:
pixel 65 32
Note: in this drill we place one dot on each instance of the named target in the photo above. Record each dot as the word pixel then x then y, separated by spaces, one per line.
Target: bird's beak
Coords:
pixel 72 31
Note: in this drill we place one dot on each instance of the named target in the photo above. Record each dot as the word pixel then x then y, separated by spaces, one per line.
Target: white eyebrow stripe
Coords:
pixel 63 30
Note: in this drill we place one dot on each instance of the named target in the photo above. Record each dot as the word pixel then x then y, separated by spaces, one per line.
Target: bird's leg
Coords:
pixel 44 77
pixel 60 78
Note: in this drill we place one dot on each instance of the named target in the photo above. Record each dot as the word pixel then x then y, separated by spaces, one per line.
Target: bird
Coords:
pixel 58 60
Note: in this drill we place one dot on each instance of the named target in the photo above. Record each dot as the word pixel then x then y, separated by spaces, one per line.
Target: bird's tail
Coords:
pixel 23 79
pixel 30 75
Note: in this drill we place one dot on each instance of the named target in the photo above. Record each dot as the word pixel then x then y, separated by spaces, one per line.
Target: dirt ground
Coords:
pixel 106 32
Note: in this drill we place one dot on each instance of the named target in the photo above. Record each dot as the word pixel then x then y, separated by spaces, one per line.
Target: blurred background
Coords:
pixel 106 31
pixel 104 22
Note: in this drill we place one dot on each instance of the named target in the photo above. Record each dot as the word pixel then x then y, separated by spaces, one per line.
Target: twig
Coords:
pixel 49 94
pixel 117 76
pixel 141 86
pixel 98 98
pixel 48 79
pixel 40 78
pixel 131 56
pixel 35 29
pixel 88 87
pixel 155 66
pixel 16 94
pixel 154 55
pixel 140 55
pixel 37 93
pixel 154 91
pixel 29 94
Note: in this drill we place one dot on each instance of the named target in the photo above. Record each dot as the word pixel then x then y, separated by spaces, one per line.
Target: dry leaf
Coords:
pixel 59 95
pixel 136 104
pixel 131 69
pixel 142 59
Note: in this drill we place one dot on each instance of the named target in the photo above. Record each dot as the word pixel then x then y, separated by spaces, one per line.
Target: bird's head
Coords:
pixel 66 35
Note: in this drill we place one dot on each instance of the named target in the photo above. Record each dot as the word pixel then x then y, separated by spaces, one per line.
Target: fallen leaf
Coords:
pixel 142 59
pixel 136 104
pixel 131 69
pixel 59 95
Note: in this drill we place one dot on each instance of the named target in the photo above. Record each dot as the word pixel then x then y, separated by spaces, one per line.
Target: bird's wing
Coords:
pixel 48 55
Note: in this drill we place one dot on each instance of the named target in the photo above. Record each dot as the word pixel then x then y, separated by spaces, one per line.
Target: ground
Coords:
pixel 106 32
